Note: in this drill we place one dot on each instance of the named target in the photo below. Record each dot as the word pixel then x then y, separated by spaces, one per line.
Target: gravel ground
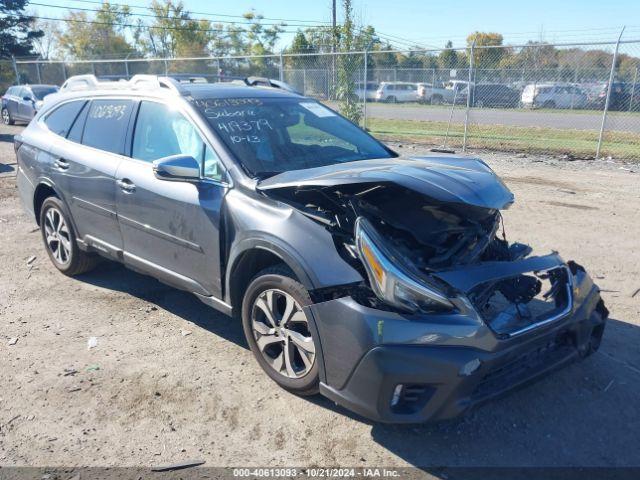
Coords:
pixel 147 394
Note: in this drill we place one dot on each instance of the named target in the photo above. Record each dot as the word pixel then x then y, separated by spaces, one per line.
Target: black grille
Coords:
pixel 523 367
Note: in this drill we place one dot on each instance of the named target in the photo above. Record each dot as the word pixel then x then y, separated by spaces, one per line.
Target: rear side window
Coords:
pixel 60 120
pixel 106 125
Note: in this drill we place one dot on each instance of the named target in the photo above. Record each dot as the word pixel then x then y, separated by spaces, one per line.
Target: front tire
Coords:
pixel 6 117
pixel 278 331
pixel 60 240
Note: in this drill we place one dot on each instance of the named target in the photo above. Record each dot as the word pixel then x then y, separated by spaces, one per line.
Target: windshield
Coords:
pixel 41 92
pixel 274 135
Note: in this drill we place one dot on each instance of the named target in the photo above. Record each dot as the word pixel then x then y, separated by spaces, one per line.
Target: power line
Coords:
pixel 149 15
pixel 310 23
pixel 133 25
pixel 98 2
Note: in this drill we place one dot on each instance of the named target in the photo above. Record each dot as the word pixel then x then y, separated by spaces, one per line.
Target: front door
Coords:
pixel 26 105
pixel 171 228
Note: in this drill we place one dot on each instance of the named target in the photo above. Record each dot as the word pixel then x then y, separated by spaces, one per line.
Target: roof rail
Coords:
pixel 80 82
pixel 137 82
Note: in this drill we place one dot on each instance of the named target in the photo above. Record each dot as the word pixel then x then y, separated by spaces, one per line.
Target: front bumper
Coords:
pixel 446 364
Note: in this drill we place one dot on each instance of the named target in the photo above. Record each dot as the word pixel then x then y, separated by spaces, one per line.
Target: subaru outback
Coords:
pixel 384 282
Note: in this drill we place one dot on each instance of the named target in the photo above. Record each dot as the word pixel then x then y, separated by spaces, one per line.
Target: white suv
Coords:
pixel 394 92
pixel 548 95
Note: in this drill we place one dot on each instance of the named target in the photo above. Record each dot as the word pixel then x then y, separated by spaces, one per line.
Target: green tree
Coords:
pixel 300 45
pixel 173 33
pixel 348 66
pixel 16 29
pixel 449 58
pixel 46 45
pixel 487 57
pixel 101 36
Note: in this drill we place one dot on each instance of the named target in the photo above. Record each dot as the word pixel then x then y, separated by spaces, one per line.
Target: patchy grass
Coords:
pixel 509 138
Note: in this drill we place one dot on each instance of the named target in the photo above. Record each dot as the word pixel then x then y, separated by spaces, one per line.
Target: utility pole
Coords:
pixel 333 26
pixel 333 46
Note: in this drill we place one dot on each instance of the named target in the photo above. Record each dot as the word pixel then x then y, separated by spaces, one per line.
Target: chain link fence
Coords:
pixel 579 100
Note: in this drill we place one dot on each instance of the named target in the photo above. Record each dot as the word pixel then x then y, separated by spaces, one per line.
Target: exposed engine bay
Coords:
pixel 424 236
pixel 432 235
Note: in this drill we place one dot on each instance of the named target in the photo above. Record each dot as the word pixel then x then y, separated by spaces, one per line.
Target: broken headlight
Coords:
pixel 389 282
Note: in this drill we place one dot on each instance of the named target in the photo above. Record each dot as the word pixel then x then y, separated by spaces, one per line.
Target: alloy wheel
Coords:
pixel 5 116
pixel 57 236
pixel 281 331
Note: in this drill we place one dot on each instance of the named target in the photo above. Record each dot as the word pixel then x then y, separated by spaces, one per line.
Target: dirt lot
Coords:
pixel 149 395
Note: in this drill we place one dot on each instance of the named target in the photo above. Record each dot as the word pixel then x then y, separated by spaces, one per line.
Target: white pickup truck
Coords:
pixel 453 90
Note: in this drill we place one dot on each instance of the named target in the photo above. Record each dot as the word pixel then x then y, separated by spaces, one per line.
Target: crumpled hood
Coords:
pixel 444 178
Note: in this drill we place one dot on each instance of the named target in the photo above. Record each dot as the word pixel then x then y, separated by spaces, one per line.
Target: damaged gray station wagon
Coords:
pixel 383 282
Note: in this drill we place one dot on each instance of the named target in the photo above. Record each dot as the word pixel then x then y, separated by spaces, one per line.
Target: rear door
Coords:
pixel 89 159
pixel 171 228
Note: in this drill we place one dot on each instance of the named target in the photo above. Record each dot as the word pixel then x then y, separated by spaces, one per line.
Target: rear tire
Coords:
pixel 278 331
pixel 60 240
pixel 6 117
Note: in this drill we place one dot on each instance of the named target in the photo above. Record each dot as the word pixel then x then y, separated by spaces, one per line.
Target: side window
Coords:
pixel 106 125
pixel 60 120
pixel 161 131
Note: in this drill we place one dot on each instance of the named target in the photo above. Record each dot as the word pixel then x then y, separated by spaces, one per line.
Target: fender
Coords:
pixel 43 180
pixel 275 246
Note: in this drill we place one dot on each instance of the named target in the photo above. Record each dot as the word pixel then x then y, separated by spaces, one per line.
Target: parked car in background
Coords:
pixel 550 95
pixel 456 91
pixel 440 93
pixel 432 94
pixel 494 95
pixel 367 90
pixel 393 92
pixel 624 96
pixel 21 102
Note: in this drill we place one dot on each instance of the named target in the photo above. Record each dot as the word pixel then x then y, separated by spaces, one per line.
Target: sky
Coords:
pixel 431 23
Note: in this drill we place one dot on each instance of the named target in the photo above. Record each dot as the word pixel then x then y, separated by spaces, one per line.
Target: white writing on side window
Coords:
pixel 109 111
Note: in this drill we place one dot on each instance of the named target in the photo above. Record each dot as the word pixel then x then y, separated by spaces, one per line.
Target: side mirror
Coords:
pixel 177 168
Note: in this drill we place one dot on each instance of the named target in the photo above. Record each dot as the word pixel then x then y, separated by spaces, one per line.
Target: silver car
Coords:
pixel 21 102
pixel 378 280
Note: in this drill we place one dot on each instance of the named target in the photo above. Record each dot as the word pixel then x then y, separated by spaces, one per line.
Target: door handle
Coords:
pixel 61 163
pixel 126 185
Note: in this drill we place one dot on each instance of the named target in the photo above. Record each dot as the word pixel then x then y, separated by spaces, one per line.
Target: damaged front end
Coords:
pixel 426 236
pixel 414 227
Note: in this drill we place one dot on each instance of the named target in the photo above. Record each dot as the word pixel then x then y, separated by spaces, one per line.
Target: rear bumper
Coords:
pixel 443 375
